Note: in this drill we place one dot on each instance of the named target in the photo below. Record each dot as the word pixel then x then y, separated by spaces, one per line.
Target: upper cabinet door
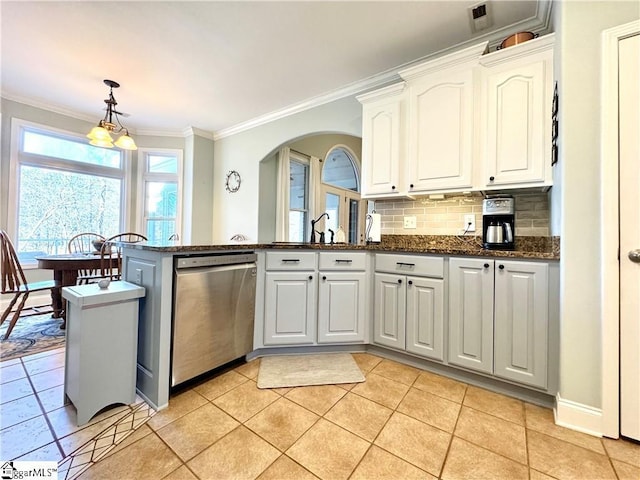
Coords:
pixel 518 94
pixel 382 142
pixel 440 153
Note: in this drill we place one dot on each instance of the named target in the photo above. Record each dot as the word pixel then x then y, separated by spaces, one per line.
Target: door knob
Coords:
pixel 634 256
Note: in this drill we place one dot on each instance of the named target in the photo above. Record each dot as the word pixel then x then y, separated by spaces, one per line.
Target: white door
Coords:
pixel 341 305
pixel 389 310
pixel 629 99
pixel 425 317
pixel 289 308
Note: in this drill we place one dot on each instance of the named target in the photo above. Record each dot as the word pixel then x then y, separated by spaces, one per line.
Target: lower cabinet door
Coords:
pixel 289 308
pixel 425 317
pixel 521 322
pixel 389 310
pixel 341 307
pixel 471 313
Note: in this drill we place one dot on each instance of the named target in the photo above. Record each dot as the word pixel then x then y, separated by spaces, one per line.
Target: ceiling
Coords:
pixel 217 65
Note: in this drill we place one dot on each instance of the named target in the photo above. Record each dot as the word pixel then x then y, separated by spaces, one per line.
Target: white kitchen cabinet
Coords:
pixel 499 317
pixel 341 307
pixel 389 310
pixel 521 322
pixel 382 141
pixel 517 93
pixel 425 317
pixel 409 309
pixel 290 308
pixel 441 121
pixel 471 313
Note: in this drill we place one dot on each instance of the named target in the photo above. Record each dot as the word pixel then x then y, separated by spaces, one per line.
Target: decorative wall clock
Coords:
pixel 232 184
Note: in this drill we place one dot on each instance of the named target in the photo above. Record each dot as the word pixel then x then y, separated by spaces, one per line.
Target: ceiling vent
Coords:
pixel 480 16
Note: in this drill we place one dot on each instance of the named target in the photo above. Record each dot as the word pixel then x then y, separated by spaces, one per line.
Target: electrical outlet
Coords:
pixel 470 222
pixel 409 222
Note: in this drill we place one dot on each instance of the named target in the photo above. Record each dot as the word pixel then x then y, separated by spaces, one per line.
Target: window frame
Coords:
pixel 306 161
pixel 17 158
pixel 145 176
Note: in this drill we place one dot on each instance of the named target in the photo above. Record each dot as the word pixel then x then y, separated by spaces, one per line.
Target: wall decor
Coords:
pixel 554 126
pixel 232 183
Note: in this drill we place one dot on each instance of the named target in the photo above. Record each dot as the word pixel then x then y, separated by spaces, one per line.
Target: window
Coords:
pixel 63 186
pixel 161 193
pixel 340 193
pixel 298 197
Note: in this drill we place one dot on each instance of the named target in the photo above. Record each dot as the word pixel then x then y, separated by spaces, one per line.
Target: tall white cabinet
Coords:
pixel 517 93
pixel 440 123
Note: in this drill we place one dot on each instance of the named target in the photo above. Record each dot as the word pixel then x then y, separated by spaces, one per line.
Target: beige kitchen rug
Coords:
pixel 303 370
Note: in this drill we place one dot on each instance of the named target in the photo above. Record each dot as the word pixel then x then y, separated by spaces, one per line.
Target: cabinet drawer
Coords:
pixel 343 261
pixel 411 265
pixel 291 260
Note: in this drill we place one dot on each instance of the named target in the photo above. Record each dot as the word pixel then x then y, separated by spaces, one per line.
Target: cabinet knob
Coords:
pixel 393 187
pixel 486 265
pixel 501 267
pixel 324 277
pixel 492 178
pixel 410 282
pixel 411 186
pixel 399 281
pixel 310 277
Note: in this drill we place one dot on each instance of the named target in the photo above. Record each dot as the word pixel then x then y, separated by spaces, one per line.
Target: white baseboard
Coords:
pixel 577 416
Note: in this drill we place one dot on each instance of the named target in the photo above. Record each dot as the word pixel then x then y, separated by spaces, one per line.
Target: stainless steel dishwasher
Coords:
pixel 214 306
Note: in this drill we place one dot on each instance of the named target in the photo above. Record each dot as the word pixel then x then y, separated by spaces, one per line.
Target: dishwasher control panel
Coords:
pixel 215 260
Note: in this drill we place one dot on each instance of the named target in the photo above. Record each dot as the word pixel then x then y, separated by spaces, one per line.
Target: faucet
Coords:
pixel 313 228
pixel 332 235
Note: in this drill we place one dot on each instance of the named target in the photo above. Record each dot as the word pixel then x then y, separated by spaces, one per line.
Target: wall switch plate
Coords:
pixel 469 219
pixel 409 222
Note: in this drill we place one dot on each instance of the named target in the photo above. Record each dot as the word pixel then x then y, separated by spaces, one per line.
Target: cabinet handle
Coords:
pixel 410 282
pixel 324 277
pixel 400 264
pixel 411 186
pixel 293 260
pixel 338 260
pixel 486 265
pixel 492 178
pixel 310 277
pixel 399 280
pixel 393 187
pixel 501 267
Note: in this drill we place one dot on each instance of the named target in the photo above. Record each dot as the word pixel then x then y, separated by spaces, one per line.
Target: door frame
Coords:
pixel 609 233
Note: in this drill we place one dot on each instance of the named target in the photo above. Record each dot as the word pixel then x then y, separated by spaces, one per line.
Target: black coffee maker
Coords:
pixel 498 222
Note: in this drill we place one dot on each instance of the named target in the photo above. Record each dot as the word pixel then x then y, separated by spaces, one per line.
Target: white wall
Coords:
pixel 235 213
pixel 578 35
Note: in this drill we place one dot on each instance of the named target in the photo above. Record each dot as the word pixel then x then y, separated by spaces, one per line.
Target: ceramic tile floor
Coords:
pixel 402 423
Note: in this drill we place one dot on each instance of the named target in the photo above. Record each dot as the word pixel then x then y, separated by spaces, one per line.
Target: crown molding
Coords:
pixel 194 131
pixel 49 107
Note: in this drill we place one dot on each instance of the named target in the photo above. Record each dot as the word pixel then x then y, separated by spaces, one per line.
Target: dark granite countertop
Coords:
pixel 544 248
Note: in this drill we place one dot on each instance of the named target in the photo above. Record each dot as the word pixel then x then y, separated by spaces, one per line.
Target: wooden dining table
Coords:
pixel 65 271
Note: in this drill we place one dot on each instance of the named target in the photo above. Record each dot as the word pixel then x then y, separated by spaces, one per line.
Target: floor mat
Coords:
pixel 302 370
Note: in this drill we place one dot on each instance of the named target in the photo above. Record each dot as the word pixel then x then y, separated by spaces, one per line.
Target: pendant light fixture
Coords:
pixel 100 135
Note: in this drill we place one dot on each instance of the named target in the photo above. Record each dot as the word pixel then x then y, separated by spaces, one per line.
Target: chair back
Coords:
pixel 83 242
pixel 12 274
pixel 110 249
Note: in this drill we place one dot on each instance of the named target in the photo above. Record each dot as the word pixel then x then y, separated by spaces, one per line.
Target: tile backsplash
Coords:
pixel 446 216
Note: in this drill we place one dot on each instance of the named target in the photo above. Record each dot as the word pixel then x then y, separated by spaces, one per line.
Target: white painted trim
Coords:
pixel 187 132
pixel 384 92
pixel 609 236
pixel 469 54
pixel 576 416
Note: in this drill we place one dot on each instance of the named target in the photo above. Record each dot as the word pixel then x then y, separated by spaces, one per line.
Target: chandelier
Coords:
pixel 100 135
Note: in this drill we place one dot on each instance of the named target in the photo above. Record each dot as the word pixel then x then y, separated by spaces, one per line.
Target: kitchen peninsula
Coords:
pixel 152 266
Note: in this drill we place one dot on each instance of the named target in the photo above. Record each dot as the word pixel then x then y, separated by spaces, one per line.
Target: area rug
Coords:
pixel 304 370
pixel 31 335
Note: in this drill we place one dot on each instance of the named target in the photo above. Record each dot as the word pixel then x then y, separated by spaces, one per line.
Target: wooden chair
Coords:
pixel 83 243
pixel 14 281
pixel 110 248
